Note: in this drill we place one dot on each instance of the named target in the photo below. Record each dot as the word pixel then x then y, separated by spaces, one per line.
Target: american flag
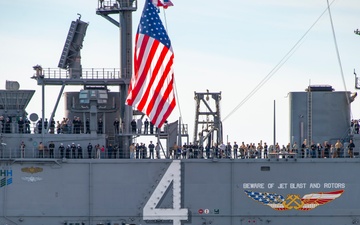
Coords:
pixel 151 88
pixel 164 3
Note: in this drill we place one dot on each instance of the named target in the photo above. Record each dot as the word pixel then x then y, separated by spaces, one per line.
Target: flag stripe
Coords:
pixel 161 85
pixel 131 98
pixel 145 70
pixel 161 104
pixel 141 67
pixel 164 108
pixel 152 79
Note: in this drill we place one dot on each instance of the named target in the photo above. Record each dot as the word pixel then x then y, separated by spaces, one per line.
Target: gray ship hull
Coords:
pixel 194 191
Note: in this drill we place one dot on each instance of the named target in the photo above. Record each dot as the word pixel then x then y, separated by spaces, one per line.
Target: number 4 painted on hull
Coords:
pixel 176 214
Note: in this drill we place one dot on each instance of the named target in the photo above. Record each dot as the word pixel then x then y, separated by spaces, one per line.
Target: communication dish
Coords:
pixel 33 117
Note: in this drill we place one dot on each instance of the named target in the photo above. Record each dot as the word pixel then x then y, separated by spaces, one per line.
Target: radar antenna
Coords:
pixel 70 57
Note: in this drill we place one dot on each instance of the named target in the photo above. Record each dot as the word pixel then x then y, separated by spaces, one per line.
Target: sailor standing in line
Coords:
pixel 338 147
pixel 27 126
pixel 21 123
pixel 41 150
pixel 151 149
pixel 89 149
pixel 133 126
pixel 266 150
pixel 235 146
pixel 68 150
pixel 116 125
pixel 98 151
pixel 151 128
pixel 132 150
pixel 73 150
pixel 137 151
pixel 87 124
pixel 146 126
pixel 51 149
pixel 61 150
pixel 222 148
pixel 351 147
pixel 8 125
pixel 79 151
pixel 139 124
pixel 110 151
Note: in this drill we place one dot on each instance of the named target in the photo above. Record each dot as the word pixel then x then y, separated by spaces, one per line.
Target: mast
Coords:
pixel 124 9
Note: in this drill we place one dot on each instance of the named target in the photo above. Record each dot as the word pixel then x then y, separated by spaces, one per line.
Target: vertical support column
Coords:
pixel 42 111
pixel 93 117
pixel 124 9
pixel 197 111
pixel 126 112
pixel 217 118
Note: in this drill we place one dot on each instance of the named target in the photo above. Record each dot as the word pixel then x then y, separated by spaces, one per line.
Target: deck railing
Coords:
pixel 92 73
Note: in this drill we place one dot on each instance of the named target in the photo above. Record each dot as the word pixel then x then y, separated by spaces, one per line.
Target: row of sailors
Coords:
pixel 152 151
pixel 75 126
pixel 235 151
pixel 66 126
pixel 73 151
pixel 216 151
pixel 220 151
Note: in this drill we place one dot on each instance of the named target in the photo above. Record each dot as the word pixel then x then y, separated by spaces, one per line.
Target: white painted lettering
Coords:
pixel 315 185
pixel 297 185
pixel 293 185
pixel 334 185
pixel 253 185
pixel 282 185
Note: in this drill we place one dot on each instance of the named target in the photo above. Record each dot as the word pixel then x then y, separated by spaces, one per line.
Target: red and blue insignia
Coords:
pixel 294 201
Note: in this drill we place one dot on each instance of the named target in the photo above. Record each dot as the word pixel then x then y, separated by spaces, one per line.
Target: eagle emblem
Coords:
pixel 294 201
pixel 32 170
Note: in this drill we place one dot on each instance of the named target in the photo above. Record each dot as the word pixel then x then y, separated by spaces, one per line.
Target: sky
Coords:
pixel 228 48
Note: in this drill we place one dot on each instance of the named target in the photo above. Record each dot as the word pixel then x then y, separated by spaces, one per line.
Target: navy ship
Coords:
pixel 47 179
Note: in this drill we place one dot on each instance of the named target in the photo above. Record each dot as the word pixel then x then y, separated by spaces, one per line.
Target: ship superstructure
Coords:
pixel 76 187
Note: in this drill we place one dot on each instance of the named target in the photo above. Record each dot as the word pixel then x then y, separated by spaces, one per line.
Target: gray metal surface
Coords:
pixel 330 116
pixel 211 191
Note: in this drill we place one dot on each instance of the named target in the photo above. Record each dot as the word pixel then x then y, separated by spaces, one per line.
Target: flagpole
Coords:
pixel 179 133
pixel 165 21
